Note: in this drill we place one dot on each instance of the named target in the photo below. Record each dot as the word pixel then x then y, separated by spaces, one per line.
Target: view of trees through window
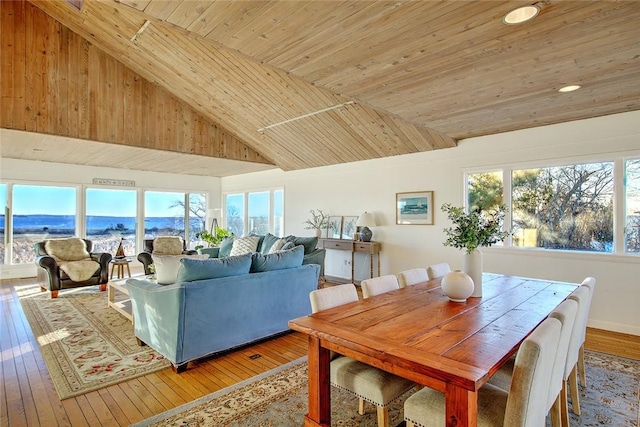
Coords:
pixel 632 206
pixel 568 207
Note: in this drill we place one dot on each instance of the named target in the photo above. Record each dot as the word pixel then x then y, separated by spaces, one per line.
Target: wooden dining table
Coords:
pixel 417 333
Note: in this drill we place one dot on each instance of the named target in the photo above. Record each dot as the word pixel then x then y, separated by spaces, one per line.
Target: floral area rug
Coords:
pixel 279 398
pixel 85 344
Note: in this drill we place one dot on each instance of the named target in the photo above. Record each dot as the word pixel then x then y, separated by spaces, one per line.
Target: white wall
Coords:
pixel 34 172
pixel 350 189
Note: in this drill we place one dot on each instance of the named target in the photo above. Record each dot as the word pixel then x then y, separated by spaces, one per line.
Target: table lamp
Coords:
pixel 365 221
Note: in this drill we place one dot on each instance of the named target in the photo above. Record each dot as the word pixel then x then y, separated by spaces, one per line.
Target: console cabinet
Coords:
pixel 353 246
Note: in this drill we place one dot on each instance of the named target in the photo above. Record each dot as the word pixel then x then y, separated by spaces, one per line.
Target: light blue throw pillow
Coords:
pixel 225 247
pixel 194 269
pixel 278 260
pixel 267 242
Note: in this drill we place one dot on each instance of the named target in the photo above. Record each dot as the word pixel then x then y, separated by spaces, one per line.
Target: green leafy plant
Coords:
pixel 318 221
pixel 476 228
pixel 214 238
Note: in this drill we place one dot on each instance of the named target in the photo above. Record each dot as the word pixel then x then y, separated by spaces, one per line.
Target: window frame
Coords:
pixel 619 203
pixel 245 211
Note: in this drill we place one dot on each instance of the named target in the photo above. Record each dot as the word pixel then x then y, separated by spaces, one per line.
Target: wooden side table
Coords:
pixel 120 263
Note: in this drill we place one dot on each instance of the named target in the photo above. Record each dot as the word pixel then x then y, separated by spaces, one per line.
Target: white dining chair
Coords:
pixel 379 285
pixel 412 277
pixel 524 405
pixel 566 313
pixel 438 270
pixel 589 282
pixel 374 385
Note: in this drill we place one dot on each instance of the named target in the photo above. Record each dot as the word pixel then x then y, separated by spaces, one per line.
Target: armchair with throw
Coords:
pixel 162 245
pixel 69 263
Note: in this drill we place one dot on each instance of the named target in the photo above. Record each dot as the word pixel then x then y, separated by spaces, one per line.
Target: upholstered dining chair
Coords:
pixel 589 282
pixel 368 383
pixel 438 270
pixel 379 285
pixel 566 313
pixel 582 296
pixel 412 277
pixel 525 403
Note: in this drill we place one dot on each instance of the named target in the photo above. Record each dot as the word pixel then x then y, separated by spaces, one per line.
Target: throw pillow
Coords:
pixel 287 246
pixel 167 266
pixel 277 246
pixel 168 245
pixel 71 249
pixel 267 243
pixel 309 243
pixel 278 260
pixel 244 245
pixel 200 269
pixel 225 247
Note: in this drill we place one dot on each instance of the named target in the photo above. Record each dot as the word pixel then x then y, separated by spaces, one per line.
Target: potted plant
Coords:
pixel 318 221
pixel 215 238
pixel 478 228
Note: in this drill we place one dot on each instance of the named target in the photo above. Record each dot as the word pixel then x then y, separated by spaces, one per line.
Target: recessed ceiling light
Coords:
pixel 520 15
pixel 569 88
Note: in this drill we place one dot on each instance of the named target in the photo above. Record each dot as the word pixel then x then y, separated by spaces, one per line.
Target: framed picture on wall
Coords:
pixel 348 227
pixel 334 228
pixel 414 208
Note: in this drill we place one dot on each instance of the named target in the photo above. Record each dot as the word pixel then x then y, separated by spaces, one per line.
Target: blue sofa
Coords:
pixel 312 255
pixel 197 317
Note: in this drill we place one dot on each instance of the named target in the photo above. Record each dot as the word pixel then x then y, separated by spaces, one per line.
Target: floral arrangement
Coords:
pixel 318 221
pixel 476 228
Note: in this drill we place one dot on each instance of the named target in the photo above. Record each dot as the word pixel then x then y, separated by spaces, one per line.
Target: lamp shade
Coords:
pixel 366 220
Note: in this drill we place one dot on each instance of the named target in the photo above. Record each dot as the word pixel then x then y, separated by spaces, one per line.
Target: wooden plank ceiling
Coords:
pixel 313 83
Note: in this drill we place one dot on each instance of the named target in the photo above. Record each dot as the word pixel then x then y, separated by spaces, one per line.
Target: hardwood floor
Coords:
pixel 28 397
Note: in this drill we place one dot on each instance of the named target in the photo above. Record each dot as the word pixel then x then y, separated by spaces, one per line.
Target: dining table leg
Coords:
pixel 461 407
pixel 319 385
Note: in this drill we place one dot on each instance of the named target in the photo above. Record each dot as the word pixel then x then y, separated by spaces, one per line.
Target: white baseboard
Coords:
pixel 614 327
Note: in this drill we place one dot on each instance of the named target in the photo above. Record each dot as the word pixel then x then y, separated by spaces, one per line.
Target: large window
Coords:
pixel 174 214
pixel 38 213
pixel 258 212
pixel 32 213
pixel 569 207
pixel 235 213
pixel 632 206
pixel 110 217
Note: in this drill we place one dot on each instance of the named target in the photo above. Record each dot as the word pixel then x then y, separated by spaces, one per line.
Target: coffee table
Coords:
pixel 118 297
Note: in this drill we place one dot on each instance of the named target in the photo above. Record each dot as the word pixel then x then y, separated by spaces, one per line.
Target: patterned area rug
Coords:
pixel 85 344
pixel 279 398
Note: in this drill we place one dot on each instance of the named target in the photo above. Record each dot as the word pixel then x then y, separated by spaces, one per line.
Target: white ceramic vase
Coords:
pixel 318 233
pixel 457 285
pixel 472 265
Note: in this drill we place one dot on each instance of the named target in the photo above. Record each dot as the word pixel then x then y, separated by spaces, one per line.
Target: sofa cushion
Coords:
pixel 244 245
pixel 71 249
pixel 225 247
pixel 167 266
pixel 267 243
pixel 200 269
pixel 278 245
pixel 309 243
pixel 167 245
pixel 278 260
